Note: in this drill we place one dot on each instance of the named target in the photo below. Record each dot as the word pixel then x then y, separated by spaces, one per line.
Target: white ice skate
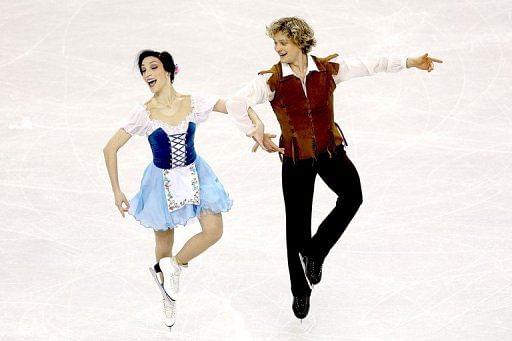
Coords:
pixel 155 270
pixel 169 312
pixel 171 271
pixel 169 304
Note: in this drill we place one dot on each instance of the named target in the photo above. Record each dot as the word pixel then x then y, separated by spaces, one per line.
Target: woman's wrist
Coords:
pixel 410 62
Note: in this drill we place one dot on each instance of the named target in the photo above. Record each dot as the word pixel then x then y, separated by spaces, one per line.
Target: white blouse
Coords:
pixel 140 123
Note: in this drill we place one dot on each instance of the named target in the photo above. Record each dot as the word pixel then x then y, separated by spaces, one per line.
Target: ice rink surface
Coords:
pixel 427 257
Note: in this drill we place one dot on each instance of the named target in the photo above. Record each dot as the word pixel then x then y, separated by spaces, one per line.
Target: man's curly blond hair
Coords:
pixel 295 28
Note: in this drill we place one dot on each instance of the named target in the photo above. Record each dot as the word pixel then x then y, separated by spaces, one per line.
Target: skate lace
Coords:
pixel 168 310
pixel 315 267
pixel 175 280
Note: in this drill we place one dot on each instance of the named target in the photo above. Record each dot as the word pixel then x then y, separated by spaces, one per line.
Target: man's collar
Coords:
pixel 287 70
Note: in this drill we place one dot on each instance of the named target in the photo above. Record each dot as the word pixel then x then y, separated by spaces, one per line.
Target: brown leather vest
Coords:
pixel 307 123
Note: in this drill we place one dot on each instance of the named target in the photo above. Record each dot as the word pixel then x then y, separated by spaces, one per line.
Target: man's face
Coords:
pixel 286 48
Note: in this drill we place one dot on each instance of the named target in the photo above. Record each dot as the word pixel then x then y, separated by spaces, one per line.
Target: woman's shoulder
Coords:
pixel 139 110
pixel 137 121
pixel 201 101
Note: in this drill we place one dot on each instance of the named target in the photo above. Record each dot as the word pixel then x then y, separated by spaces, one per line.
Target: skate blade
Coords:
pixel 304 269
pixel 160 286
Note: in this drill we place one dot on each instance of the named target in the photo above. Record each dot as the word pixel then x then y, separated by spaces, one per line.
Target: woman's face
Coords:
pixel 286 48
pixel 154 74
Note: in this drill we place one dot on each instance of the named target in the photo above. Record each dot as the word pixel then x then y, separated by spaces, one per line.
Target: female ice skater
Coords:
pixel 300 90
pixel 178 184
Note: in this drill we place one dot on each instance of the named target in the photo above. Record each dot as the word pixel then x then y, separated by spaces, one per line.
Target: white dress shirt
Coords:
pixel 258 91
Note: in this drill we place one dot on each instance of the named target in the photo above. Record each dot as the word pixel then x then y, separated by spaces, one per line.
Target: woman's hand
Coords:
pixel 423 62
pixel 269 145
pixel 258 134
pixel 120 199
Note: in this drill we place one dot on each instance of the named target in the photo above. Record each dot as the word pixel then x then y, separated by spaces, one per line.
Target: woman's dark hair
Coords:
pixel 164 56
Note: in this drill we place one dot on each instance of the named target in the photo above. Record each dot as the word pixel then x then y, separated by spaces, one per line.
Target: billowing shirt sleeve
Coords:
pixel 138 122
pixel 202 106
pixel 256 92
pixel 351 67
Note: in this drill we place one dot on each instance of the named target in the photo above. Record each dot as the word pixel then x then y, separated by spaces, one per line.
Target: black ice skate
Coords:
pixel 300 306
pixel 312 269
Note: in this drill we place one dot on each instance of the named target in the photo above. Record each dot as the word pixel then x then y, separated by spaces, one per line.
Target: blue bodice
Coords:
pixel 176 150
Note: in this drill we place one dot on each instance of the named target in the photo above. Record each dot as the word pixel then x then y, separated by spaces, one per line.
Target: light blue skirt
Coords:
pixel 149 205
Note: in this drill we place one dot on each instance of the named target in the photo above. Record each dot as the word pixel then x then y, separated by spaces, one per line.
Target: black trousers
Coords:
pixel 298 180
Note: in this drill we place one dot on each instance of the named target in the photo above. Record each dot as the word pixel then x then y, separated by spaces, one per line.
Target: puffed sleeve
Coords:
pixel 138 122
pixel 202 106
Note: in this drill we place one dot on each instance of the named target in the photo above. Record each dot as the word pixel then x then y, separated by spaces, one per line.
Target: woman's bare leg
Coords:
pixel 211 225
pixel 163 245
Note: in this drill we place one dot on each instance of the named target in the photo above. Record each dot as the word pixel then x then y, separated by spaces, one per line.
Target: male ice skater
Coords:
pixel 300 90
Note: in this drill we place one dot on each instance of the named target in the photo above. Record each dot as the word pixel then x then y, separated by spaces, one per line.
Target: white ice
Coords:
pixel 427 257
